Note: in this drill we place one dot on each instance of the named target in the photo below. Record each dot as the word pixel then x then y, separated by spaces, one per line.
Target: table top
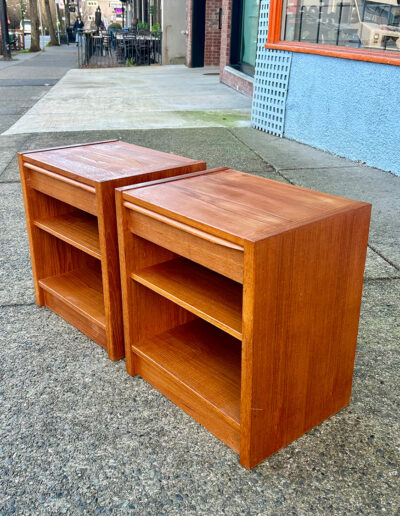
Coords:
pixel 97 162
pixel 236 206
pixel 133 36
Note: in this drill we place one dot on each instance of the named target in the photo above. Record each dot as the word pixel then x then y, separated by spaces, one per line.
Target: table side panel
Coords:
pixel 302 297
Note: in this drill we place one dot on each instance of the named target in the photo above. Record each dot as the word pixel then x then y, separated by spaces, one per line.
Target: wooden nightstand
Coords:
pixel 241 301
pixel 71 221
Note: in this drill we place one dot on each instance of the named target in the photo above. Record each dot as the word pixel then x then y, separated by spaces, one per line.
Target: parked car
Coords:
pixel 26 27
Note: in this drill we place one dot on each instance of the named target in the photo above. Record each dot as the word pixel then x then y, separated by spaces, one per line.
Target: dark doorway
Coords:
pixel 198 32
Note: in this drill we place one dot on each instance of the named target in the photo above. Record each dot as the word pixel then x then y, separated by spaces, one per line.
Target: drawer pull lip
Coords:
pixel 184 227
pixel 60 178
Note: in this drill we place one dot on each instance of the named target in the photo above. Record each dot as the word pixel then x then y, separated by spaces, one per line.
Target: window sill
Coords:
pixel 356 54
pixel 238 73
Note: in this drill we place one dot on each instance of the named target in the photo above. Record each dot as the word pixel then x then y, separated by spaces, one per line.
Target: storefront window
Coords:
pixel 244 34
pixel 373 25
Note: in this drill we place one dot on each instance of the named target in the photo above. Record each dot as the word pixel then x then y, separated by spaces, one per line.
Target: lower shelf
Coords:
pixel 77 296
pixel 198 367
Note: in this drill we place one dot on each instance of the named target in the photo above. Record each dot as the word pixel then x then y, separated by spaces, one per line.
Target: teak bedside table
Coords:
pixel 241 301
pixel 70 213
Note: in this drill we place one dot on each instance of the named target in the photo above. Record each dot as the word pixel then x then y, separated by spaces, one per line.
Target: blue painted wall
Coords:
pixel 349 108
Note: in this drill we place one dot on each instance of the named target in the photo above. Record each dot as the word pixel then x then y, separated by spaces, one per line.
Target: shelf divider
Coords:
pixel 81 290
pixel 77 228
pixel 204 360
pixel 205 293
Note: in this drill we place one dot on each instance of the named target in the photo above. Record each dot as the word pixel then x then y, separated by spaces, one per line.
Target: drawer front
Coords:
pixel 219 255
pixel 72 192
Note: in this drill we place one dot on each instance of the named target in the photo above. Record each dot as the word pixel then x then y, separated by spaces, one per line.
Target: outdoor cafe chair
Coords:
pixel 142 47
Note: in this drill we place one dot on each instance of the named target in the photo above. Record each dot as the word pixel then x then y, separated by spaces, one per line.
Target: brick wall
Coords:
pixel 212 44
pixel 218 44
pixel 225 34
pixel 233 79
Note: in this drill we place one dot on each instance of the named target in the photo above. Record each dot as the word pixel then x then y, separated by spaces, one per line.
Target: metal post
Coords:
pixel 301 21
pixel 151 9
pixel 319 19
pixel 41 24
pixel 5 40
pixel 58 24
pixel 339 20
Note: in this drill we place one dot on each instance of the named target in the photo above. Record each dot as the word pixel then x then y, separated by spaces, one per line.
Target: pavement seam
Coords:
pixel 321 168
pixel 9 163
pixel 13 305
pixel 279 172
pixel 368 280
pixel 384 258
pixel 259 155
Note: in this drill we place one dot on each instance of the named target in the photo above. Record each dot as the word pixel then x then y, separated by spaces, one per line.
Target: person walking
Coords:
pixel 78 25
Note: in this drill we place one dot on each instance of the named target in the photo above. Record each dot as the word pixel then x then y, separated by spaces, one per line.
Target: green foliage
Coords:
pixel 130 62
pixel 114 26
pixel 156 28
pixel 143 25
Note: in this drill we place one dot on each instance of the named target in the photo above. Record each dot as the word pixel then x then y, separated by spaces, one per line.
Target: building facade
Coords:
pixel 329 77
pixel 321 72
pixel 224 33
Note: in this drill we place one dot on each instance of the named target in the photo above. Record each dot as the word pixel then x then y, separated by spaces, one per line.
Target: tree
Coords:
pixel 35 35
pixel 4 31
pixel 67 15
pixel 50 24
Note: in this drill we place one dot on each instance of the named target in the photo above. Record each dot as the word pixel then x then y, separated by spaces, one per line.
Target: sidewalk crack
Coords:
pixel 368 280
pixel 276 171
pixel 13 156
pixel 13 305
pixel 384 257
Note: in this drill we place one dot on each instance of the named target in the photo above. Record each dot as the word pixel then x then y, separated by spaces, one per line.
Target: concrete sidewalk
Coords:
pixel 151 97
pixel 79 436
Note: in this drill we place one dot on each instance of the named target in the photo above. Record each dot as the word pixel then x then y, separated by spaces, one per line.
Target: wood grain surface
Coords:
pixel 69 196
pixel 106 161
pixel 302 256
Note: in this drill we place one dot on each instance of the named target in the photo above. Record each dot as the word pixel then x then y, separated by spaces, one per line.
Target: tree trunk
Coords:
pixel 35 35
pixel 50 25
pixel 5 39
pixel 67 15
pixel 60 22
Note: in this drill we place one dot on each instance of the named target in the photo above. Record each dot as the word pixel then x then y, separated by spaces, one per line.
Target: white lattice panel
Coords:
pixel 271 81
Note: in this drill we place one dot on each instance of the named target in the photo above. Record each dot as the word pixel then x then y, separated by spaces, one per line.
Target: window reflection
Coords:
pixel 350 23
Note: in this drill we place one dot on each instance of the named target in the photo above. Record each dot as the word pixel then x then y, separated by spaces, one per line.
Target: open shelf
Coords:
pixel 201 358
pixel 81 290
pixel 203 292
pixel 77 228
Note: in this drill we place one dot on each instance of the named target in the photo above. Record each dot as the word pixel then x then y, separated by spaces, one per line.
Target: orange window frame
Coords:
pixel 359 54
